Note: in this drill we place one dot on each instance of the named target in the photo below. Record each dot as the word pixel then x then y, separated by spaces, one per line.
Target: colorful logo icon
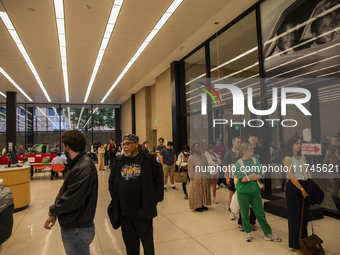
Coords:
pixel 213 90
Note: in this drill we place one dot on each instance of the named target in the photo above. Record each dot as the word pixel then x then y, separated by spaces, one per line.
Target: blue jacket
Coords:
pixel 315 193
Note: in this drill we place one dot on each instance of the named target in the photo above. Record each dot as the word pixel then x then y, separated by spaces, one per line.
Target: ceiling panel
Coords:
pixel 84 31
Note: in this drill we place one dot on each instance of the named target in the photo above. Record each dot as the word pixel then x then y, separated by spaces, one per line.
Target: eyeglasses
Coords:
pixel 126 144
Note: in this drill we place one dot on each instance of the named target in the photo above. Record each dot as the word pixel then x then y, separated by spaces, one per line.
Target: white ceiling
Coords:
pixel 190 25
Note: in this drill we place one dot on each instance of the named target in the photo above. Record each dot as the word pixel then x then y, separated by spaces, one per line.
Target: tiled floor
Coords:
pixel 177 229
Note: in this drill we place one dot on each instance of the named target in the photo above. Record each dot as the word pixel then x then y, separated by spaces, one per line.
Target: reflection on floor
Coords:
pixel 177 229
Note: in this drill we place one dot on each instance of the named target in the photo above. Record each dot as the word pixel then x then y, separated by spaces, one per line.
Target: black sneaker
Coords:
pixel 199 209
pixel 165 190
pixel 204 208
pixel 174 188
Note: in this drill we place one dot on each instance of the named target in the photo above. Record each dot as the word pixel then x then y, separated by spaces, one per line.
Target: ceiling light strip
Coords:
pixel 168 13
pixel 69 119
pixel 26 110
pixel 15 85
pixel 90 118
pixel 81 113
pixel 3 94
pixel 22 50
pixel 60 20
pixel 47 117
pixel 117 5
pixel 55 111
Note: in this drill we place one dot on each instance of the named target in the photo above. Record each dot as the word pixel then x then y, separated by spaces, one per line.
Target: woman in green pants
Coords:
pixel 248 171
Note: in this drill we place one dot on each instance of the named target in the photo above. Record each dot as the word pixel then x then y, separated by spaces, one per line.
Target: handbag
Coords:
pixel 234 206
pixel 310 245
pixel 259 183
pixel 181 176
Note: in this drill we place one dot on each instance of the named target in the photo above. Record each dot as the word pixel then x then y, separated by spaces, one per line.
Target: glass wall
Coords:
pixel 195 68
pixel 300 39
pixel 44 123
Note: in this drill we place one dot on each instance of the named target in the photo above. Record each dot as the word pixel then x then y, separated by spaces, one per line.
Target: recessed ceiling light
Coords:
pixel 59 15
pixel 22 49
pixel 167 14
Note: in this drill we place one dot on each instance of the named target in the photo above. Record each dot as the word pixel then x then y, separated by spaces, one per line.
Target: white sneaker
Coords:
pixel 253 227
pixel 217 187
pixel 248 237
pixel 222 185
pixel 215 201
pixel 272 237
pixel 232 216
pixel 240 228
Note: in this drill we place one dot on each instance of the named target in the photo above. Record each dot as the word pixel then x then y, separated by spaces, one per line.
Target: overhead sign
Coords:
pixel 311 149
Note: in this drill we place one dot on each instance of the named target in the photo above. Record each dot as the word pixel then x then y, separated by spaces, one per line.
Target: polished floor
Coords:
pixel 177 229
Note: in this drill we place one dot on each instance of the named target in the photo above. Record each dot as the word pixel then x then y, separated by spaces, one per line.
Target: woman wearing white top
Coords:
pixel 298 174
pixel 213 161
pixel 101 152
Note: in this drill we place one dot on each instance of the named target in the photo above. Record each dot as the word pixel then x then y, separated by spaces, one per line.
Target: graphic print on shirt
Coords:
pixel 131 171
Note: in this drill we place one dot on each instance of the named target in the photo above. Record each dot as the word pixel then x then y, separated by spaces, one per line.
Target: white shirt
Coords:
pixel 58 160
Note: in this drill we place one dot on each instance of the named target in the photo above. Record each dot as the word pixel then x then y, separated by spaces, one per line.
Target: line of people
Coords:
pixel 137 183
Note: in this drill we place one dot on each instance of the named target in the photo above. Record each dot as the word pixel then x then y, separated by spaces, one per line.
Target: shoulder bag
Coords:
pixel 259 183
pixel 181 176
pixel 310 245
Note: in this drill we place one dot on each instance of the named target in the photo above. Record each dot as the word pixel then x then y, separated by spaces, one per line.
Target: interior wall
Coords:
pixel 163 106
pixel 153 106
pixel 153 112
pixel 126 117
pixel 141 114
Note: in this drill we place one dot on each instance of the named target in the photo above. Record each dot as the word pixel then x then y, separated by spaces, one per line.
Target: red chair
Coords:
pixel 40 167
pixel 58 168
pixel 50 166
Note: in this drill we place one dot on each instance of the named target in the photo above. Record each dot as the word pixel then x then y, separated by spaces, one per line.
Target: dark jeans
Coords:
pixel 252 218
pixel 77 240
pixel 106 160
pixel 135 229
pixel 294 203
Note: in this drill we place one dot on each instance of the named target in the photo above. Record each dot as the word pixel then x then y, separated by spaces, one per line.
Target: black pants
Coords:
pixel 221 179
pixel 135 229
pixel 184 186
pixel 294 203
pixel 54 173
pixel 252 218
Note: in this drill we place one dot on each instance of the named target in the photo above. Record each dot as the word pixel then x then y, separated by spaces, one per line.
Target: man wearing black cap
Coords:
pixel 58 160
pixel 136 186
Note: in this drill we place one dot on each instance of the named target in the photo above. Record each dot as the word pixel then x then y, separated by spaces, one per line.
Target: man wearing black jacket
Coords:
pixel 76 202
pixel 136 186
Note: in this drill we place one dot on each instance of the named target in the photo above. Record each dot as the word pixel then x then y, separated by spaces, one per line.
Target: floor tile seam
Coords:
pixel 100 244
pixel 220 231
pixel 190 236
